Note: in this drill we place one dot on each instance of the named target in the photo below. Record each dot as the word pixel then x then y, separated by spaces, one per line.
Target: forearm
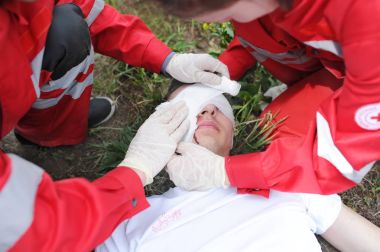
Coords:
pixel 77 215
pixel 237 59
pixel 352 232
pixel 128 39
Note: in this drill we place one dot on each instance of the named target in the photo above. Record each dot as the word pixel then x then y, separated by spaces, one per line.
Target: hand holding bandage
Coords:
pixel 197 68
pixel 156 141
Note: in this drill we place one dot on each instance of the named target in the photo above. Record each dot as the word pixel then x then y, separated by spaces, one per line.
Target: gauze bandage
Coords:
pixel 197 96
pixel 227 86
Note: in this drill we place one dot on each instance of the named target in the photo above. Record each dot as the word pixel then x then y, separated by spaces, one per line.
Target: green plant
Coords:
pixel 254 135
pixel 223 33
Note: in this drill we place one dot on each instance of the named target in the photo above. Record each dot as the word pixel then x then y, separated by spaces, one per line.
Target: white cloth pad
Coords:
pixel 197 96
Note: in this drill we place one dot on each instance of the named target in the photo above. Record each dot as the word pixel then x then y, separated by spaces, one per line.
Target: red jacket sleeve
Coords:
pixel 343 143
pixel 237 59
pixel 123 37
pixel 68 215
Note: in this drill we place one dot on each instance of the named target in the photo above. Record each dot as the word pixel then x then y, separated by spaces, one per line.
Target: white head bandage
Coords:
pixel 197 96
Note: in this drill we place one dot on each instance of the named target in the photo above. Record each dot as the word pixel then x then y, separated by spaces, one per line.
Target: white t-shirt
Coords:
pixel 221 220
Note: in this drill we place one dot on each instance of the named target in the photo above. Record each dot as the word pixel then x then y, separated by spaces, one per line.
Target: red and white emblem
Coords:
pixel 368 116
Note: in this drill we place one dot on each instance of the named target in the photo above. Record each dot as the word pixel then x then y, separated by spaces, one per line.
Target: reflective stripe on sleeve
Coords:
pixel 36 67
pixel 290 57
pixel 328 151
pixel 68 83
pixel 327 45
pixel 17 201
pixel 95 11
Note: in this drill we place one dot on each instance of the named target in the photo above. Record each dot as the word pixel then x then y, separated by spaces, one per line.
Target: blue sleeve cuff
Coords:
pixel 166 62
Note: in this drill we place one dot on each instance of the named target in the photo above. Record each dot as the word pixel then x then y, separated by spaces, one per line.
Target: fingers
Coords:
pixel 222 69
pixel 177 119
pixel 208 78
pixel 209 63
pixel 166 114
pixel 180 131
pixel 227 86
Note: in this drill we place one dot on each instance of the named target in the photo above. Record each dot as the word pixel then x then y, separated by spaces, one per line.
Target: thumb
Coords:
pixel 171 166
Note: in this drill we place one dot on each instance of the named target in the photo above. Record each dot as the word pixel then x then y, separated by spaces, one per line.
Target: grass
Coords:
pixel 144 90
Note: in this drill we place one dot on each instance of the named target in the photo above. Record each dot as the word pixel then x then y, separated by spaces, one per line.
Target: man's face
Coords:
pixel 242 11
pixel 214 129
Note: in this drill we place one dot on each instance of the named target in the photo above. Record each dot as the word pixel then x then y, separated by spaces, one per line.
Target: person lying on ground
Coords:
pixel 221 220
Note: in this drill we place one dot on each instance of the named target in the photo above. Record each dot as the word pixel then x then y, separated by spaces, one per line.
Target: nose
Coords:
pixel 209 110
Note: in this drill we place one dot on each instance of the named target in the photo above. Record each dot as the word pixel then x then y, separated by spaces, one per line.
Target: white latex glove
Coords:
pixel 156 141
pixel 197 168
pixel 197 68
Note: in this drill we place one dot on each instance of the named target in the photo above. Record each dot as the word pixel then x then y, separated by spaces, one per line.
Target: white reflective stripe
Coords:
pixel 67 80
pixel 95 11
pixel 328 151
pixel 327 45
pixel 68 83
pixel 75 91
pixel 17 201
pixel 36 68
pixel 290 57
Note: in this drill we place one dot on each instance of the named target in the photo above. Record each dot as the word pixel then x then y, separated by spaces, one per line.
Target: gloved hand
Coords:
pixel 68 42
pixel 191 68
pixel 156 141
pixel 197 168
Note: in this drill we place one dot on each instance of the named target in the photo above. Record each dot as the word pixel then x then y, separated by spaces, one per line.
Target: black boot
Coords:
pixel 101 110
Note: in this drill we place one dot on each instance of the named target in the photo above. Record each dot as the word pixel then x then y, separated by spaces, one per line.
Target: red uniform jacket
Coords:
pixel 343 140
pixel 23 32
pixel 37 214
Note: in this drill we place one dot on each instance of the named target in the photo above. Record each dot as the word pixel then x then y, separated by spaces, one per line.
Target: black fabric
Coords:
pixel 23 140
pixel 68 41
pixel 100 109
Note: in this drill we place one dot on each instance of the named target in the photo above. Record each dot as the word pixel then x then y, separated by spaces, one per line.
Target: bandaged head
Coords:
pixel 197 96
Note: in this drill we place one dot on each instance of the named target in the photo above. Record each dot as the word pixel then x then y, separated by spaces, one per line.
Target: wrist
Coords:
pixel 141 176
pixel 224 176
pixel 166 63
pixel 138 168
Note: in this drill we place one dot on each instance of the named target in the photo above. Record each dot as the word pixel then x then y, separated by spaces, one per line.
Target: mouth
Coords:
pixel 208 125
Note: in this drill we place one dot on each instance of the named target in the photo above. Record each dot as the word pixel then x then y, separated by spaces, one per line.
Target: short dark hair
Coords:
pixel 173 86
pixel 192 8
